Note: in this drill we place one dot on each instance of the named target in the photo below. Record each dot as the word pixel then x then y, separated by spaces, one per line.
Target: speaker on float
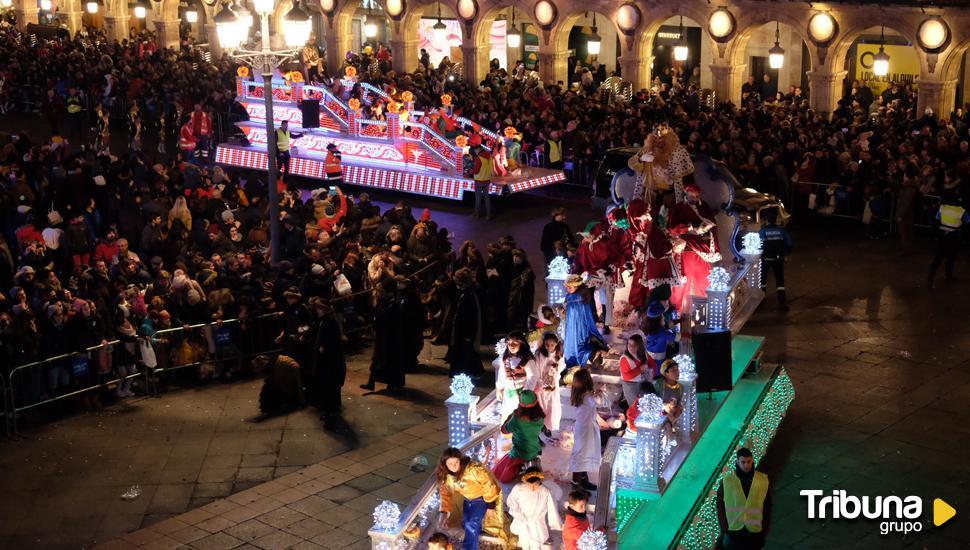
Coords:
pixel 310 110
pixel 712 360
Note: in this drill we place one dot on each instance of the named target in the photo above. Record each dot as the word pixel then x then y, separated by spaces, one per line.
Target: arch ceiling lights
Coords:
pixel 467 10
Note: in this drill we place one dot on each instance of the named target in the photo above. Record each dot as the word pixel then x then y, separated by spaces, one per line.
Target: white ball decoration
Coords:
pixel 651 409
pixel 500 347
pixel 386 516
pixel 461 387
pixel 592 540
pixel 718 280
pixel 751 244
pixel 558 268
pixel 685 364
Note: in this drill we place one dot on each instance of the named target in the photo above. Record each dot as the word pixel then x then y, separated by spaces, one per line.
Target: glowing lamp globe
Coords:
pixel 263 6
pixel 821 27
pixel 718 279
pixel 593 43
pixel 514 38
pixel 440 31
pixel 721 24
pixel 751 244
pixel 140 12
pixel 228 29
pixel 6 3
pixel 92 7
pixel 296 26
pixel 462 387
pixel 45 5
pixel 933 34
pixel 386 516
pixel 776 57
pixel 370 29
pixel 192 16
pixel 680 52
pixel 880 63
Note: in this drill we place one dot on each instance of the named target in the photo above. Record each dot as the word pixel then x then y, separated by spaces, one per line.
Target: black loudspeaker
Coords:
pixel 310 109
pixel 712 359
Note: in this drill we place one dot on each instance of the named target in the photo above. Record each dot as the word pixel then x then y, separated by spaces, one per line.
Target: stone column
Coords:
pixel 26 12
pixel 938 95
pixel 825 90
pixel 552 65
pixel 636 69
pixel 213 39
pixel 116 27
pixel 404 54
pixel 474 62
pixel 74 22
pixel 168 32
pixel 727 80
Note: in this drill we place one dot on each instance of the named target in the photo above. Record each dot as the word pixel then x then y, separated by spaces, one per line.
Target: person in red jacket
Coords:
pixel 187 141
pixel 576 522
pixel 201 129
pixel 693 221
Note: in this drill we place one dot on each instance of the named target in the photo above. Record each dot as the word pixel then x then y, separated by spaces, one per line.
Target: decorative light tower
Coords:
pixel 751 248
pixel 718 308
pixel 232 37
pixel 461 409
pixel 687 423
pixel 649 461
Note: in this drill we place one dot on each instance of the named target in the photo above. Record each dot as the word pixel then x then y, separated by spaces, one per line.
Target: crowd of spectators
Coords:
pixel 100 244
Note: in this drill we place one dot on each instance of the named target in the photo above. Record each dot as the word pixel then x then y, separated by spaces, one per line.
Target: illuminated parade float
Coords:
pixel 398 153
pixel 658 478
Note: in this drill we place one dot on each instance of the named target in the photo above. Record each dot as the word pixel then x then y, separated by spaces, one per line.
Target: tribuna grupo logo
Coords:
pixel 897 514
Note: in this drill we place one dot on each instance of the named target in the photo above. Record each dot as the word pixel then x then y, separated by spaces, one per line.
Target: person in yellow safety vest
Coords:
pixel 335 176
pixel 283 139
pixel 483 178
pixel 554 151
pixel 951 216
pixel 75 115
pixel 744 505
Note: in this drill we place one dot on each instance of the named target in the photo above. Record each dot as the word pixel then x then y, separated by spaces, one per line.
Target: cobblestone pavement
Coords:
pixel 880 365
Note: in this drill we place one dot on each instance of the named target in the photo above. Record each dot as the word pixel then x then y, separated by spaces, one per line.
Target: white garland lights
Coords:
pixel 751 244
pixel 592 540
pixel 386 516
pixel 462 387
pixel 718 280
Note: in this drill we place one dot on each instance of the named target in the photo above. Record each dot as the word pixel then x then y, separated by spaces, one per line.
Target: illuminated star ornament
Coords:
pixel 751 244
pixel 718 279
pixel 461 387
pixel 592 540
pixel 386 516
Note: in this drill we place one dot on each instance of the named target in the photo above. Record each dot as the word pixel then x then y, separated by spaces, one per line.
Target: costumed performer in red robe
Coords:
pixel 693 221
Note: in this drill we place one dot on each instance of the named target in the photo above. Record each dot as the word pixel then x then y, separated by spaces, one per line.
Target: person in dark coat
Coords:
pixel 440 302
pixel 521 290
pixel 282 390
pixel 556 231
pixel 327 366
pixel 387 363
pixel 412 323
pixel 466 333
pixel 296 322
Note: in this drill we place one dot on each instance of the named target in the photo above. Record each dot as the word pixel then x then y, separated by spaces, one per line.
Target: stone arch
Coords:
pixel 750 23
pixel 655 17
pixel 482 26
pixel 856 28
pixel 559 38
pixel 170 10
pixel 949 72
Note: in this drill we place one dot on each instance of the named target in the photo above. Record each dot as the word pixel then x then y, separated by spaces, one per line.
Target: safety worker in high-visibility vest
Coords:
pixel 744 505
pixel 554 151
pixel 482 172
pixel 335 176
pixel 952 217
pixel 75 115
pixel 283 139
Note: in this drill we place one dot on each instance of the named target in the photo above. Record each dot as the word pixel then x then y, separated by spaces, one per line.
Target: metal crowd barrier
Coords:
pixel 926 209
pixel 72 374
pixel 831 200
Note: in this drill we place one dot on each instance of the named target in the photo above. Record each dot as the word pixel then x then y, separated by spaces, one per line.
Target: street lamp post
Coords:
pixel 296 28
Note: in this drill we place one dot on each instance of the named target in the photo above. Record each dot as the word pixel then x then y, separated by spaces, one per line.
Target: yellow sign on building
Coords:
pixel 903 66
